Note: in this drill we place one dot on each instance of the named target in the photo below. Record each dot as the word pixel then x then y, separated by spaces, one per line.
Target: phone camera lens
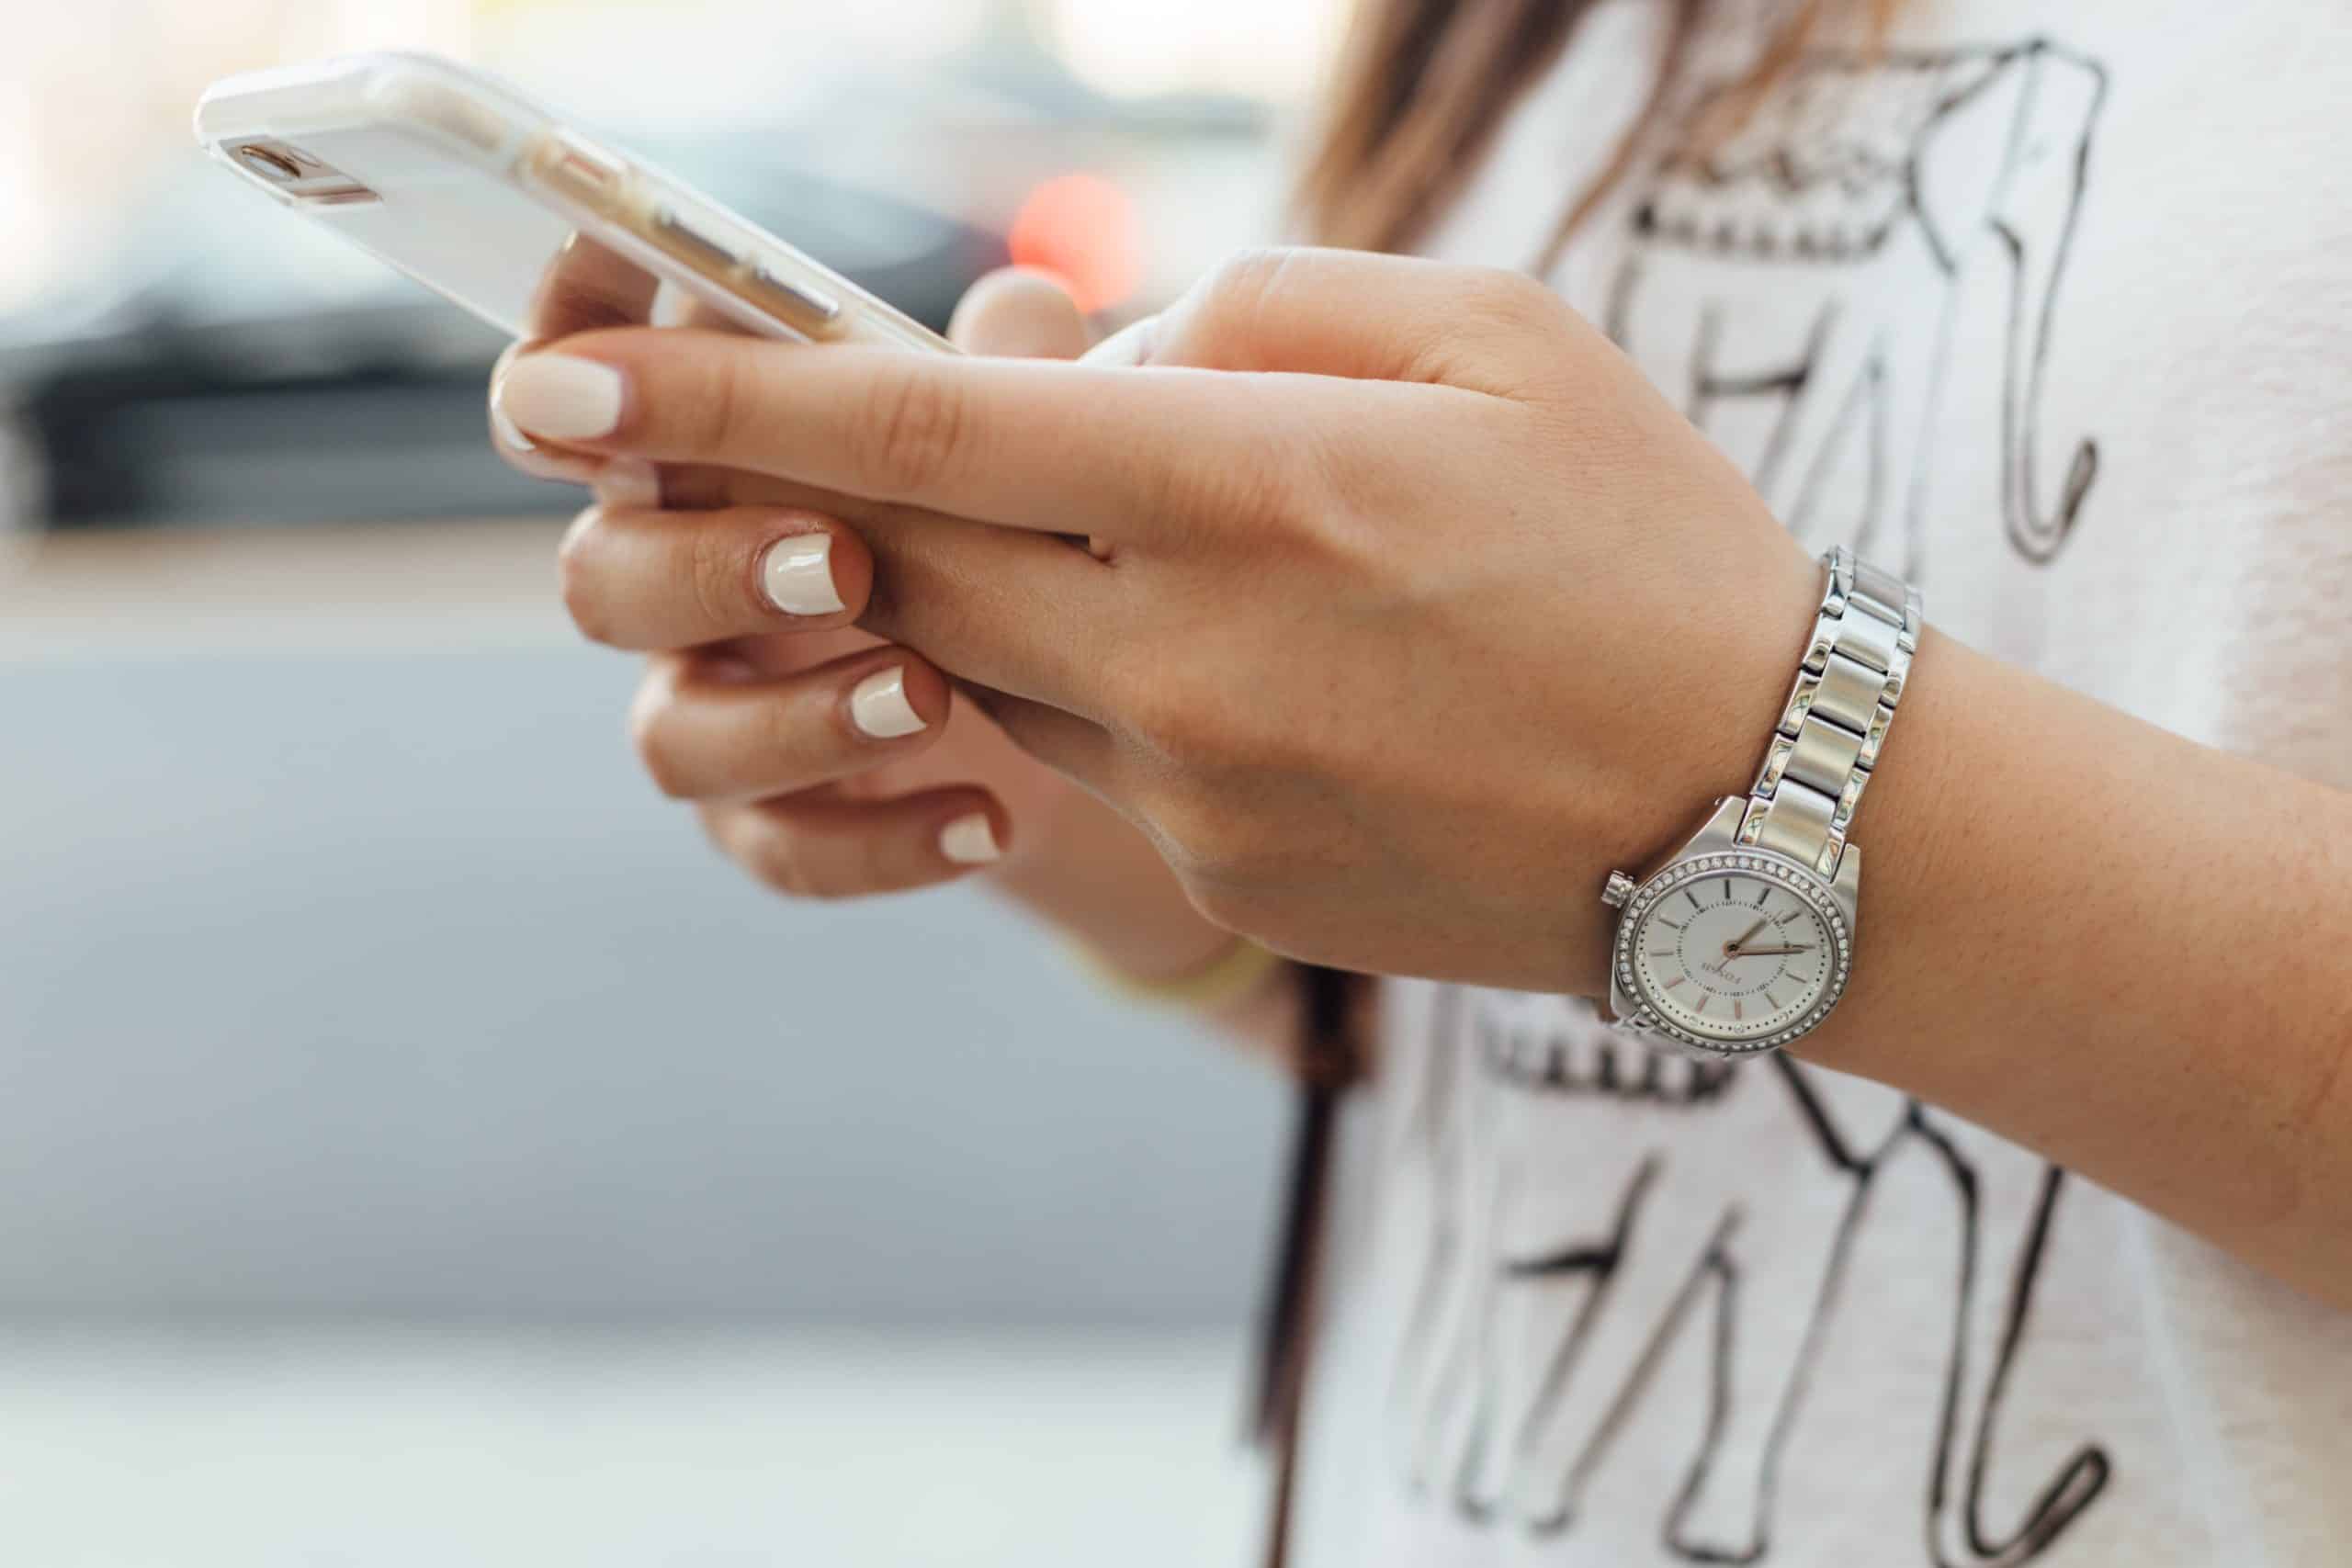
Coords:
pixel 268 163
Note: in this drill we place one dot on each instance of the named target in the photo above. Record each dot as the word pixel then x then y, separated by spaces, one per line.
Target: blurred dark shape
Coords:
pixel 227 364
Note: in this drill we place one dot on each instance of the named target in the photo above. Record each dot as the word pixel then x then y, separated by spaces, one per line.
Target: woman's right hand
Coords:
pixel 824 762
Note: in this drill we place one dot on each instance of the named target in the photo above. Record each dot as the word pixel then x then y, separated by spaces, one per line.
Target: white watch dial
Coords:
pixel 1733 956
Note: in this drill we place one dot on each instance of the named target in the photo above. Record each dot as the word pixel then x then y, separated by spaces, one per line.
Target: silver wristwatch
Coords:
pixel 1740 941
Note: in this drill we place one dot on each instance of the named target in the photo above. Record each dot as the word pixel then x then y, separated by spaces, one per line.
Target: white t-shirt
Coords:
pixel 2050 308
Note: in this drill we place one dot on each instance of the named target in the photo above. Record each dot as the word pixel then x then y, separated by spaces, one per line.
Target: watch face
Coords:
pixel 1734 951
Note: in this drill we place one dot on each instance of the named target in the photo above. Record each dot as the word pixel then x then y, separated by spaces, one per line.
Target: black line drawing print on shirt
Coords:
pixel 1861 185
pixel 1619 1278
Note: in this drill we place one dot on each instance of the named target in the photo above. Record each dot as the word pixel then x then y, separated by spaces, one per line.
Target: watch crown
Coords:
pixel 1618 888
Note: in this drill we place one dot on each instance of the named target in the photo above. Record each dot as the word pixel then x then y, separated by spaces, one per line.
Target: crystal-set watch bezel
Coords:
pixel 1786 872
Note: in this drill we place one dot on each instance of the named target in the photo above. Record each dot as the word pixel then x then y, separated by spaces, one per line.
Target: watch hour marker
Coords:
pixel 1661 953
pixel 1693 897
pixel 1736 1011
pixel 1772 1002
pixel 1703 1000
pixel 1675 981
pixel 1668 924
pixel 1726 889
pixel 1762 894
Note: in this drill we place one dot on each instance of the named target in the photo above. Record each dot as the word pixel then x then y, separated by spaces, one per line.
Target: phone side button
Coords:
pixel 806 308
pixel 574 168
pixel 684 237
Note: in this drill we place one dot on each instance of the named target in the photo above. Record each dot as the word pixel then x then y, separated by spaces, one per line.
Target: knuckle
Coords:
pixel 715 578
pixel 916 427
pixel 1215 323
pixel 1243 282
pixel 781 865
pixel 731 408
pixel 1259 487
pixel 793 743
pixel 778 859
pixel 1506 339
pixel 1512 301
pixel 813 877
pixel 799 863
pixel 655 739
pixel 577 580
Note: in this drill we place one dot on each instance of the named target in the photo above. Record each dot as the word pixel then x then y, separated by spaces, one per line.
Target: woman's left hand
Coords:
pixel 1411 610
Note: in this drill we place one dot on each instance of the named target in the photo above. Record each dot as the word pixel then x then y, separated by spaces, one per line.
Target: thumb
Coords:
pixel 1019 313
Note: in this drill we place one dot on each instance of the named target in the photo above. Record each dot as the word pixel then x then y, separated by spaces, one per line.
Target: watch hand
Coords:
pixel 1731 948
pixel 1768 952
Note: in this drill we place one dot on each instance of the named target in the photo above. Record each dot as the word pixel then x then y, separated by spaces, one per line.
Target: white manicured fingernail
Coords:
pixel 970 840
pixel 560 395
pixel 628 481
pixel 797 572
pixel 509 436
pixel 878 706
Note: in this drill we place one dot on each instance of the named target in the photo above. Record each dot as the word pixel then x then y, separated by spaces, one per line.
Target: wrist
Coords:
pixel 1724 704
pixel 1742 938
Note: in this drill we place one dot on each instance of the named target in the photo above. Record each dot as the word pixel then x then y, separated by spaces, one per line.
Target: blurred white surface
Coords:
pixel 393 1448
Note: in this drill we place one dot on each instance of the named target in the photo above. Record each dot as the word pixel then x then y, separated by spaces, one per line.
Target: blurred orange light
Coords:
pixel 1083 229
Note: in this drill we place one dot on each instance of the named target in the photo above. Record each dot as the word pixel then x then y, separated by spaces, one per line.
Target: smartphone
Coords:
pixel 466 187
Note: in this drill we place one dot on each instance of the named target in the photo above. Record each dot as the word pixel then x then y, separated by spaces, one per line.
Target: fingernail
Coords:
pixel 560 395
pixel 509 434
pixel 628 481
pixel 797 572
pixel 970 840
pixel 878 706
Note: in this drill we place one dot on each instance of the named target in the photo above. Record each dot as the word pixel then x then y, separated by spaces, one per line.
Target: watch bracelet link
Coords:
pixel 1833 728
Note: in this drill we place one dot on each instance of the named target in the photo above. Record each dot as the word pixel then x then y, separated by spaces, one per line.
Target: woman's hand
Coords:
pixel 1411 610
pixel 825 761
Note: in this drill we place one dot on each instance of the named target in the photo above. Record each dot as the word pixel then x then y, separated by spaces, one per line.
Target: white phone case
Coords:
pixel 468 187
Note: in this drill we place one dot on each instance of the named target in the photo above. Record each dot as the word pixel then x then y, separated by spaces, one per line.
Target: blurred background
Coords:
pixel 414 1146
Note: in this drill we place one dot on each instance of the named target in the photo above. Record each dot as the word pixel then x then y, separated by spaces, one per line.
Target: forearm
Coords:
pixel 2126 950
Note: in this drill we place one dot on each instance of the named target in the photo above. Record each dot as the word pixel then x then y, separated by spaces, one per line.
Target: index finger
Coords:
pixel 1070 448
pixel 584 285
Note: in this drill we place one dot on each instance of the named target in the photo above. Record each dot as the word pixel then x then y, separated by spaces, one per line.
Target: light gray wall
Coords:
pixel 379 981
